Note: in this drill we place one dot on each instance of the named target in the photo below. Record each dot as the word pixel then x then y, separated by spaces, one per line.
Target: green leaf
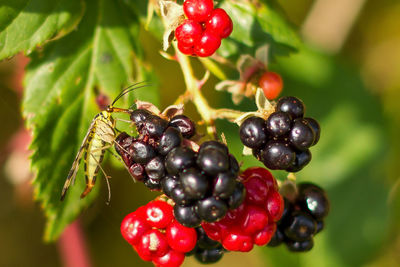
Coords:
pixel 59 99
pixel 141 9
pixel 255 26
pixel 24 24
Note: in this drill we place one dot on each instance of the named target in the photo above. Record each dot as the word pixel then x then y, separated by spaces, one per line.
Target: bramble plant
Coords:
pixel 82 53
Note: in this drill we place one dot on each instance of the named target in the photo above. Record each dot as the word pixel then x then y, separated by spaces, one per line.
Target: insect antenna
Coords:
pixel 129 89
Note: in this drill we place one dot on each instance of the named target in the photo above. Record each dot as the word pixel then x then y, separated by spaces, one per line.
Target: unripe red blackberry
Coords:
pixel 253 222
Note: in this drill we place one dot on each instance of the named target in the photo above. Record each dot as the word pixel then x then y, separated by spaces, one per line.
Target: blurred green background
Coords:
pixel 348 75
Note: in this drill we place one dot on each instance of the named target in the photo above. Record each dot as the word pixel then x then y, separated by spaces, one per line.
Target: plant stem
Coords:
pixel 192 87
pixel 193 92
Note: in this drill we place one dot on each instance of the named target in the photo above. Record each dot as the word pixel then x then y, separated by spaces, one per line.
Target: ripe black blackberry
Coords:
pixel 202 184
pixel 206 250
pixel 282 142
pixel 302 219
pixel 206 185
pixel 144 155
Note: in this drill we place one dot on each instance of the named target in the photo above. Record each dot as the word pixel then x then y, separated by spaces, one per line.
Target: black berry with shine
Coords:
pixel 237 197
pixel 213 161
pixel 122 144
pixel 185 125
pixel 277 239
pixel 137 171
pixel 187 216
pixel 209 255
pixel 300 246
pixel 313 199
pixel 211 209
pixel 178 159
pixel 155 168
pixel 315 126
pixel 179 196
pixel 279 123
pixel 170 139
pixel 301 135
pixel 203 241
pixel 154 126
pixel 141 152
pixel 302 159
pixel 215 145
pixel 252 132
pixel 291 105
pixel 139 116
pixel 300 227
pixel 152 184
pixel 194 183
pixel 168 183
pixel 233 164
pixel 277 155
pixel 224 185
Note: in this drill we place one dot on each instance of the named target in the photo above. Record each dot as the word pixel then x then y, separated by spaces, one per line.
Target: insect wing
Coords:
pixel 75 165
pixel 105 131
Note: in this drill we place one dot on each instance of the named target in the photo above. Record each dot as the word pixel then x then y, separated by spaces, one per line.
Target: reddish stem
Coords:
pixel 72 247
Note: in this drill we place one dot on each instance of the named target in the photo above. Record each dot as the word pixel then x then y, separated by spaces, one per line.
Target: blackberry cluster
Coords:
pixel 254 221
pixel 206 250
pixel 282 141
pixel 202 184
pixel 144 155
pixel 302 219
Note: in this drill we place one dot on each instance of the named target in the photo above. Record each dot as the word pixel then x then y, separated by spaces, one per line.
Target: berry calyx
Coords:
pixel 271 84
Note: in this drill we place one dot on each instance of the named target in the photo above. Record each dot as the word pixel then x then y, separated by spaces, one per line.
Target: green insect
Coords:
pixel 99 137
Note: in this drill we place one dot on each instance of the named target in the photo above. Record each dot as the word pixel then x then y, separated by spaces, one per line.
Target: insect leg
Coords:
pixel 119 158
pixel 72 173
pixel 118 119
pixel 105 176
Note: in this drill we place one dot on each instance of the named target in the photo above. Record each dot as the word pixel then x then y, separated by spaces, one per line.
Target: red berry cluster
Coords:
pixel 254 222
pixel 201 33
pixel 157 236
